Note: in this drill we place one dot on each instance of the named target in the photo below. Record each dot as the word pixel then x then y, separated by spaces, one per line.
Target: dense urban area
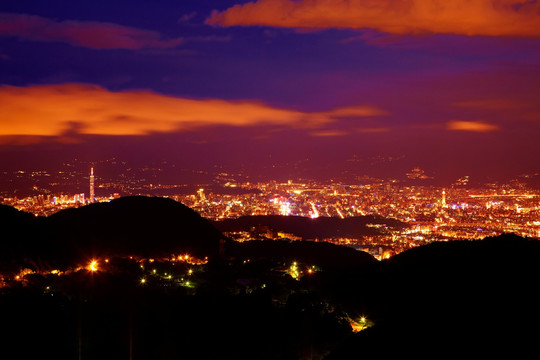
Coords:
pixel 429 213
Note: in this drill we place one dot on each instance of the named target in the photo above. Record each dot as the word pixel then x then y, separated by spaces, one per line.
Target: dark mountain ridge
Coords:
pixel 459 298
pixel 140 226
pixel 307 228
pixel 323 254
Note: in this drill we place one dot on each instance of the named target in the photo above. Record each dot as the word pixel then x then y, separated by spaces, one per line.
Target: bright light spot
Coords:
pixel 294 272
pixel 360 324
pixel 93 266
pixel 106 260
pixel 143 280
pixel 190 271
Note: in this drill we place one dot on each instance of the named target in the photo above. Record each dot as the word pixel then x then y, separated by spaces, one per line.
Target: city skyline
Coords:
pixel 368 91
pixel 393 215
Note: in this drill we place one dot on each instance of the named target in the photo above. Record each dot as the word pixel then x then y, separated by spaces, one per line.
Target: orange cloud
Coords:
pixel 328 133
pixel 91 34
pixel 463 17
pixel 475 126
pixel 56 110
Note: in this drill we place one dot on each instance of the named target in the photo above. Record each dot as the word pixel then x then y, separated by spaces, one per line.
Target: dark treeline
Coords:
pixel 458 298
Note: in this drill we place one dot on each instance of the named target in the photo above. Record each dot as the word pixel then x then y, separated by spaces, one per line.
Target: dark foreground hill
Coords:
pixel 307 228
pixel 18 230
pixel 321 253
pixel 142 226
pixel 461 298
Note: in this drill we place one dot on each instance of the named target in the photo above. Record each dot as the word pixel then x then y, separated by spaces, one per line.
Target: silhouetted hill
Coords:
pixel 17 227
pixel 138 225
pixel 457 299
pixel 307 228
pixel 143 226
pixel 11 216
pixel 461 298
pixel 320 253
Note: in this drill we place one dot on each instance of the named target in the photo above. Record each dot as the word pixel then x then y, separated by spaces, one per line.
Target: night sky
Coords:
pixel 276 87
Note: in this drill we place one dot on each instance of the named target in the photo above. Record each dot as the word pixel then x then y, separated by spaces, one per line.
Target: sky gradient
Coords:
pixel 299 88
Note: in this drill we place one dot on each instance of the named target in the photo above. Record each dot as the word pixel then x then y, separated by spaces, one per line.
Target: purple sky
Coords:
pixel 305 86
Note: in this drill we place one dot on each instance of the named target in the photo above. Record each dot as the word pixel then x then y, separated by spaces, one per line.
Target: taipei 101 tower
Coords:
pixel 92 195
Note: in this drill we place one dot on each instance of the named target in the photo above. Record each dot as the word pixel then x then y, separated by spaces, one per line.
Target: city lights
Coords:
pixel 428 213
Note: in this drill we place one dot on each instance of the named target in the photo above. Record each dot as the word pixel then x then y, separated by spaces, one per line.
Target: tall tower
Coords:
pixel 443 200
pixel 201 194
pixel 92 195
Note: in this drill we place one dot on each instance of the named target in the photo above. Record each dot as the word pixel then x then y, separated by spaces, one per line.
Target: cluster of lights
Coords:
pixel 295 272
pixel 186 258
pixel 359 324
pixel 169 276
pixel 94 266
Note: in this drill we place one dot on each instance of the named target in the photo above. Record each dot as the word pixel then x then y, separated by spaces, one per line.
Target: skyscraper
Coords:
pixel 443 201
pixel 201 194
pixel 92 195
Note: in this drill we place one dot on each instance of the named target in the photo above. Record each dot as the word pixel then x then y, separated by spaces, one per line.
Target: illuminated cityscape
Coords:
pixel 429 213
pixel 269 179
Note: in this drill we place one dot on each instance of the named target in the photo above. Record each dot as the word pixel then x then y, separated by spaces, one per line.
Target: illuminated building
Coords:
pixel 92 194
pixel 443 200
pixel 201 194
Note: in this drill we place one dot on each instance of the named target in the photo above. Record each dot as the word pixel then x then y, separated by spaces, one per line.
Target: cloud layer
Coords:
pixel 474 126
pixel 463 17
pixel 90 34
pixel 56 110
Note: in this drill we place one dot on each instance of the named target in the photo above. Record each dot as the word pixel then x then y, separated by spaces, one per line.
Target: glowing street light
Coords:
pixel 93 266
